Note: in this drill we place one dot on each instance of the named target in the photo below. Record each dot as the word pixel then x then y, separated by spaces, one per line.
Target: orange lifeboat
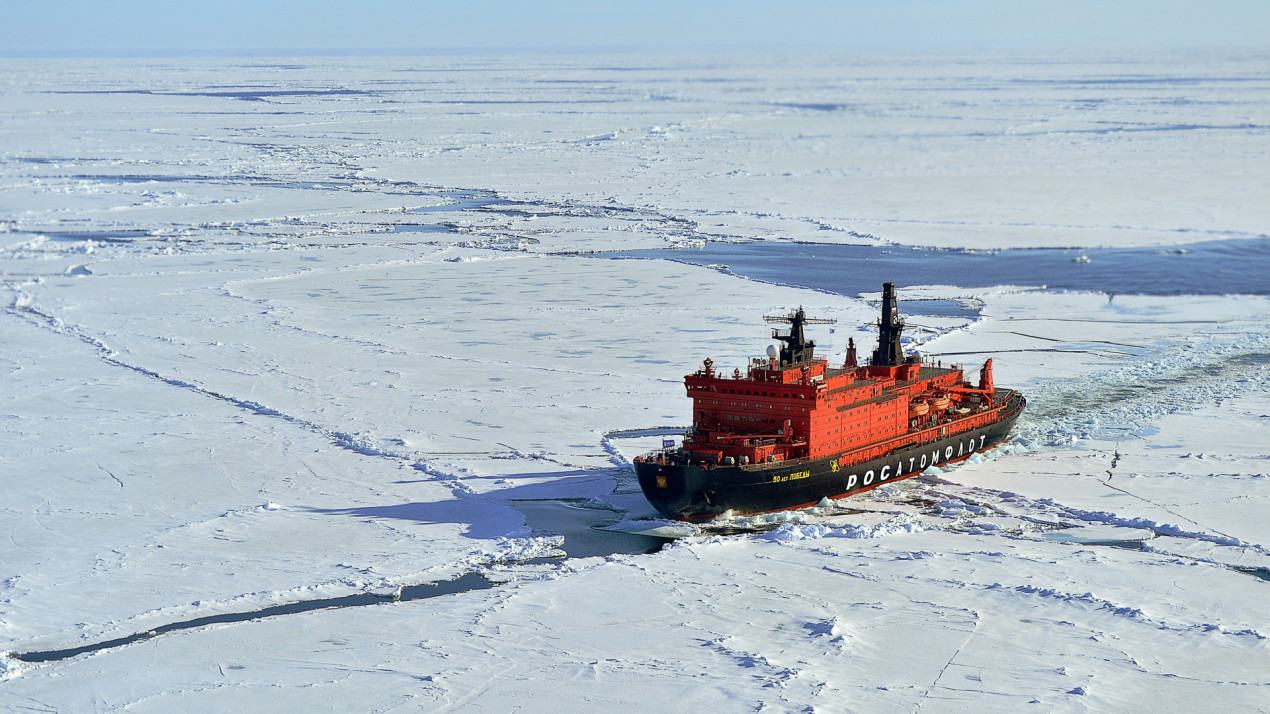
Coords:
pixel 941 403
pixel 918 409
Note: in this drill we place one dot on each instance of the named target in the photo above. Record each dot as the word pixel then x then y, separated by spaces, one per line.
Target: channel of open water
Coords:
pixel 1225 267
pixel 583 528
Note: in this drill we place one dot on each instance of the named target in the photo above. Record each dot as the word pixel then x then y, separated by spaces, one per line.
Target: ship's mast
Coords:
pixel 796 349
pixel 889 353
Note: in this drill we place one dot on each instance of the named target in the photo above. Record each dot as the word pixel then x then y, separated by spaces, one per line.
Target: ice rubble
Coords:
pixel 895 526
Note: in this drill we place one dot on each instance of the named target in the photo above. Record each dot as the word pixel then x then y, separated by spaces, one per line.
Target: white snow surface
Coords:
pixel 265 343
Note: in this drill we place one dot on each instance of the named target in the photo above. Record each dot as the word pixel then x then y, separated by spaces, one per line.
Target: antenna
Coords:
pixel 797 349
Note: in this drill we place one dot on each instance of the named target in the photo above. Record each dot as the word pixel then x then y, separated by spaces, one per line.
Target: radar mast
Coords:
pixel 796 349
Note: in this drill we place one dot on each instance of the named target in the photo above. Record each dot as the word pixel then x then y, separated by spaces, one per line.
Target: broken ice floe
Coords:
pixel 895 526
pixel 9 666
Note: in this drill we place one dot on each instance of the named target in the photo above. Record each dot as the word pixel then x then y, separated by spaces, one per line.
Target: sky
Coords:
pixel 95 27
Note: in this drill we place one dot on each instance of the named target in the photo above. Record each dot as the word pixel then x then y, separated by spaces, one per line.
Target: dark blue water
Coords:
pixel 1215 268
pixel 582 528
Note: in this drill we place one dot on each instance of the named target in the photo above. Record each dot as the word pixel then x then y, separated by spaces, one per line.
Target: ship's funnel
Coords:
pixel 889 353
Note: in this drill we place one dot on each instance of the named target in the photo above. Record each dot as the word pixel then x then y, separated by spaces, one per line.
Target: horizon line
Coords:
pixel 622 49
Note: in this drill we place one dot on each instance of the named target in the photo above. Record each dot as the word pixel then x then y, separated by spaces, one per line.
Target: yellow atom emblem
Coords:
pixel 833 465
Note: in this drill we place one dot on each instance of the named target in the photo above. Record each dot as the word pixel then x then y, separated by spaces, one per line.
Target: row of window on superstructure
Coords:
pixel 787 395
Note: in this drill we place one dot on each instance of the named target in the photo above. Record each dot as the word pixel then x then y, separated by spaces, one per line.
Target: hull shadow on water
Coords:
pixel 583 528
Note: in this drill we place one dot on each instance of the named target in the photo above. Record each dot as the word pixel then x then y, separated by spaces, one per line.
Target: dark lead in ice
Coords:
pixel 465 583
pixel 581 527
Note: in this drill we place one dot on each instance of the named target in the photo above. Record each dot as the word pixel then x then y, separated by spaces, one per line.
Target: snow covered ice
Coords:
pixel 281 332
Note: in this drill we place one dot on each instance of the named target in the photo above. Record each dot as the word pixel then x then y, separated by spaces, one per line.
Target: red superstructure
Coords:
pixel 791 430
pixel 772 414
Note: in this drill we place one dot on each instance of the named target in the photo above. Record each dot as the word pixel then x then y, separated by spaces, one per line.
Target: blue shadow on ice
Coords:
pixel 562 503
pixel 483 518
pixel 490 515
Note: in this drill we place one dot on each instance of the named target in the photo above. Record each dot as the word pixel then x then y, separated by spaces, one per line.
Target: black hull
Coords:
pixel 692 492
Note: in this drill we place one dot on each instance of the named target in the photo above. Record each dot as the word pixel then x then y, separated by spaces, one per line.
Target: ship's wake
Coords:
pixel 1122 403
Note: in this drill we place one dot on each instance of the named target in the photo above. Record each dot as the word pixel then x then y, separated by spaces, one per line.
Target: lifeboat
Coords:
pixel 940 403
pixel 918 409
